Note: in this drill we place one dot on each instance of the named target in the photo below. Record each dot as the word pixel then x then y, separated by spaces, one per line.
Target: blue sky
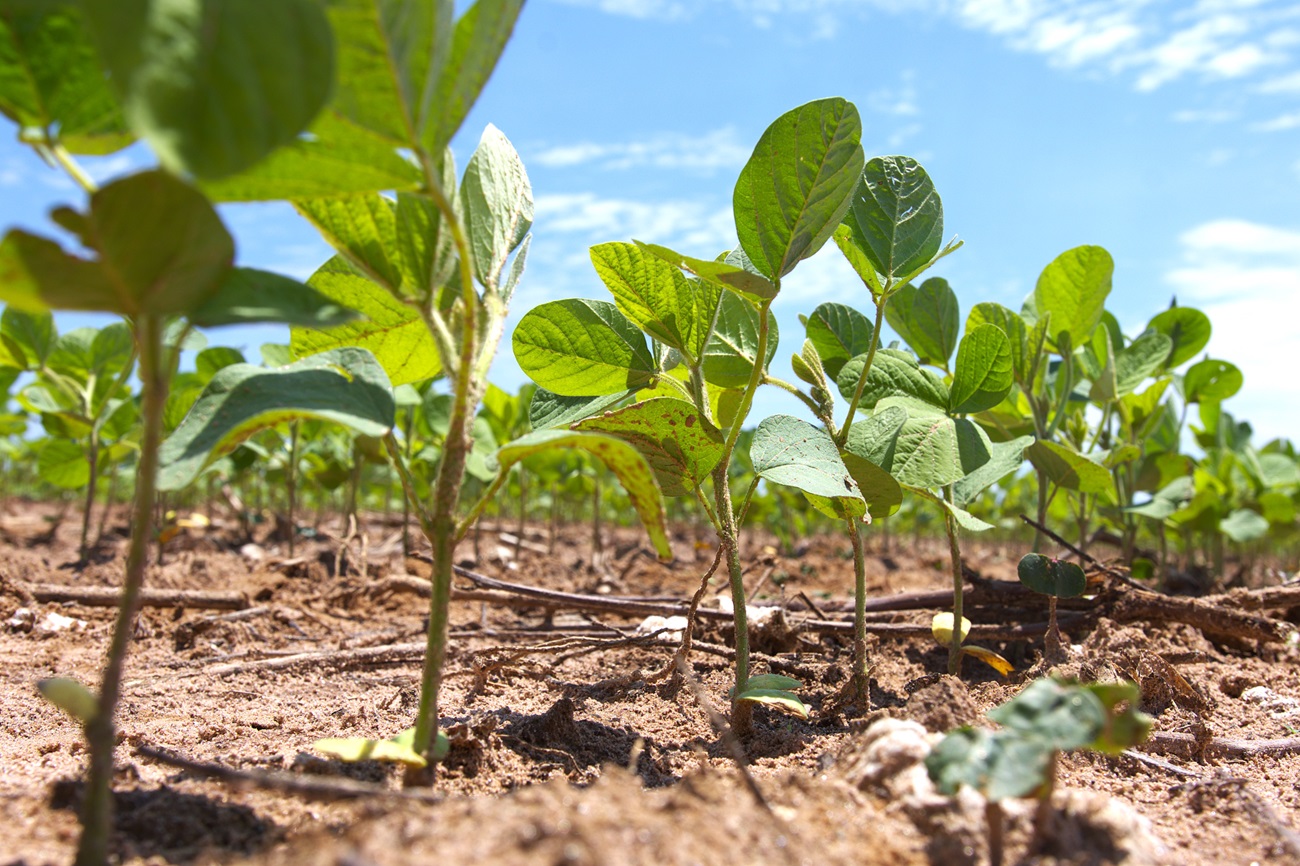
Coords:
pixel 1168 132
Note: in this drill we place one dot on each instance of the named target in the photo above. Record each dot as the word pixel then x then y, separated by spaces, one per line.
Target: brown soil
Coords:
pixel 570 755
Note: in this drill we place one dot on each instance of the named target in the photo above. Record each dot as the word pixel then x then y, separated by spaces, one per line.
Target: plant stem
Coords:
pixel 954 551
pixel 101 734
pixel 291 479
pixel 862 377
pixel 93 456
pixel 861 684
pixel 993 819
pixel 741 711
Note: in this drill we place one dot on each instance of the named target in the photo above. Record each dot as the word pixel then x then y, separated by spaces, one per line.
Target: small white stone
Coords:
pixel 57 622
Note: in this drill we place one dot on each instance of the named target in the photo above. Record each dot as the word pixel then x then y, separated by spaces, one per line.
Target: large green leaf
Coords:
pixel 894 374
pixel 1067 468
pixel 476 45
pixel 1211 380
pixel 934 450
pixel 338 158
pixel 51 81
pixel 725 275
pixel 581 348
pixel 789 451
pixel 1188 330
pixel 619 457
pixel 797 184
pixel 1140 360
pixel 363 228
pixel 839 333
pixel 1244 525
pixel 1004 458
pixel 391 330
pixel 248 295
pixel 927 318
pixel 63 463
pixel 1024 357
pixel 346 386
pixel 215 85
pixel 161 249
pixel 548 409
pixel 656 296
pixel 983 376
pixel 498 205
pixel 681 447
pixel 1073 289
pixel 732 350
pixel 897 217
pixel 1064 717
pixel 426 253
pixel 869 452
pixel 28 336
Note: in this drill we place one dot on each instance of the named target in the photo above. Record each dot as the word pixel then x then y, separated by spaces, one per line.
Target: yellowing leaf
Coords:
pixel 990 658
pixel 397 749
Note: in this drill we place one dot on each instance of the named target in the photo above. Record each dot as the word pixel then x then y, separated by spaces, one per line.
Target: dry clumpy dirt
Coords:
pixel 564 750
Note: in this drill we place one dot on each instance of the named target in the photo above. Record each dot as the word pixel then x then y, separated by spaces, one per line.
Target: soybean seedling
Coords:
pixel 1049 717
pixel 1055 579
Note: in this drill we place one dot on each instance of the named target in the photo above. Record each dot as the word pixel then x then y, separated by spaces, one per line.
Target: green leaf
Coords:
pixel 1187 329
pixel 897 217
pixel 1244 525
pixel 210 361
pixel 363 228
pixel 248 295
pixel 215 85
pixel 1004 458
pixel 928 319
pixel 1068 468
pixel 840 333
pixel 345 386
pixel 1054 577
pixel 391 330
pixel 476 45
pixel 1211 381
pixel 894 374
pixel 797 184
pixel 161 248
pixel 338 158
pixel 869 452
pixel 581 348
pixel 656 296
pixel 934 450
pixel 789 451
pixel 1065 717
pixel 847 238
pixel 724 275
pixel 772 681
pixel 276 355
pixel 50 79
pixel 1141 359
pixel 1024 357
pixel 777 699
pixel 70 696
pixel 31 333
pixel 426 252
pixel 548 409
pixel 619 457
pixel 732 350
pixel 498 205
pixel 680 446
pixel 983 376
pixel 63 463
pixel 1073 290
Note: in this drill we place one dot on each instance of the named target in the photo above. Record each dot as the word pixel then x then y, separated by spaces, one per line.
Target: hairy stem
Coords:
pixel 954 552
pixel 101 733
pixel 861 683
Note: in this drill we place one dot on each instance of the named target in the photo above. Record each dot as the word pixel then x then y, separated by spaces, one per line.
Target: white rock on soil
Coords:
pixel 57 622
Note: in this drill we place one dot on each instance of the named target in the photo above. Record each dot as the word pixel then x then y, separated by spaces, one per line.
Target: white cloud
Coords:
pixel 720 149
pixel 1246 276
pixel 1281 84
pixel 1203 115
pixel 697 227
pixel 899 100
pixel 1279 123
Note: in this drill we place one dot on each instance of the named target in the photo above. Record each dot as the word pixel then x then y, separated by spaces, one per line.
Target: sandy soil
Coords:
pixel 563 750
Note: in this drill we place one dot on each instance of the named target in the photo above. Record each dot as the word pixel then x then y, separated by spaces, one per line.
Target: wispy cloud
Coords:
pixel 1152 42
pixel 1245 276
pixel 900 100
pixel 1279 123
pixel 703 154
pixel 1203 115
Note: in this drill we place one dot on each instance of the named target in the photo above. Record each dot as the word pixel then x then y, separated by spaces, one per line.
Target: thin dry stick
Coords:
pixel 682 656
pixel 723 729
pixel 1172 742
pixel 1083 557
pixel 339 658
pixel 110 596
pixel 310 787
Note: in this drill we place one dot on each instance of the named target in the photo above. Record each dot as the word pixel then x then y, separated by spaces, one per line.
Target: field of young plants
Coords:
pixel 1017 588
